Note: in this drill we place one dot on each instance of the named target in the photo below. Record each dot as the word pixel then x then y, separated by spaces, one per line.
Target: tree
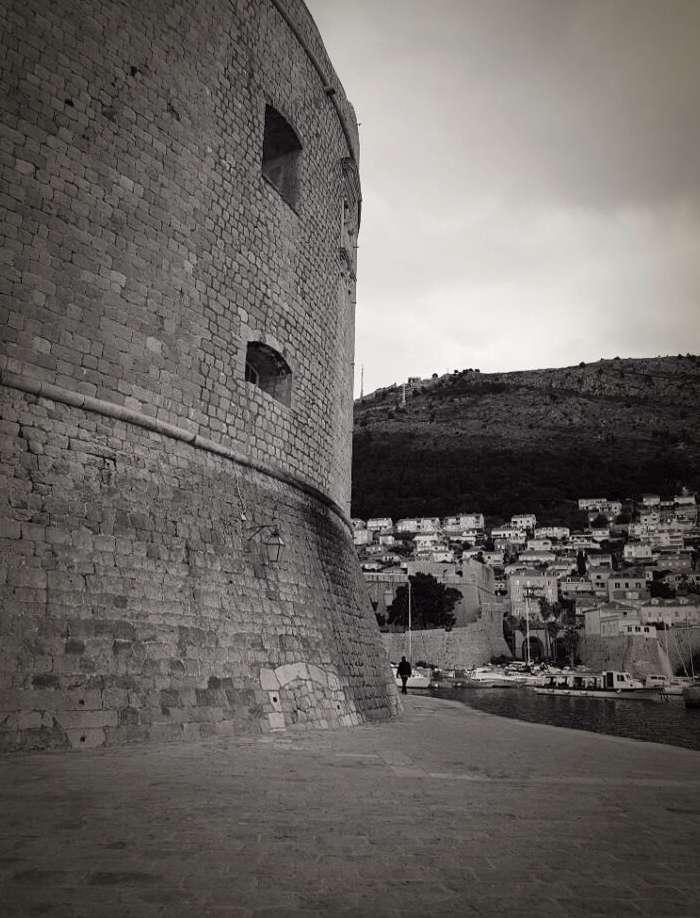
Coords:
pixel 405 548
pixel 659 589
pixel 510 623
pixel 581 563
pixel 431 604
pixel 600 521
pixel 571 643
pixel 552 629
pixel 571 635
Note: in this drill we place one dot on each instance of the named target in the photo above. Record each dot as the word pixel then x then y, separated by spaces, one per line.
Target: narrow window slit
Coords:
pixel 281 156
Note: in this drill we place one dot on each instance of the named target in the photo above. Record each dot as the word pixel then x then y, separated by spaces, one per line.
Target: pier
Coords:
pixel 446 811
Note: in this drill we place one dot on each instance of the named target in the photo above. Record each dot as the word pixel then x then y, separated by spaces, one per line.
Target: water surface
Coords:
pixel 671 722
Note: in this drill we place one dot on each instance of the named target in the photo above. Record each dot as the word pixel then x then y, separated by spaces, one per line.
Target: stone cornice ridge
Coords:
pixel 327 87
pixel 128 415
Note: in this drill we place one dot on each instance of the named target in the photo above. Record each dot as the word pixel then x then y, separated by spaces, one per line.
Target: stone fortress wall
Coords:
pixel 468 646
pixel 180 203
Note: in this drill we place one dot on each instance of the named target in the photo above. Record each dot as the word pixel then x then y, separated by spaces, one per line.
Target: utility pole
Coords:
pixel 527 625
pixel 362 381
pixel 409 619
pixel 527 593
pixel 403 396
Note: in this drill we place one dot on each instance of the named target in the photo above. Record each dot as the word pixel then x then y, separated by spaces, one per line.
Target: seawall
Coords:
pixel 473 645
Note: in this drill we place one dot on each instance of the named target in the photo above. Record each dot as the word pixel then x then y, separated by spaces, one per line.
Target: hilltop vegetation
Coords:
pixel 533 440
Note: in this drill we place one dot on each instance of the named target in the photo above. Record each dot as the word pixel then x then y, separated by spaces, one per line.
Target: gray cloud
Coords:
pixel 531 175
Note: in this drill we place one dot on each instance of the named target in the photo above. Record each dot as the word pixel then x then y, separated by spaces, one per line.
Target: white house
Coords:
pixel 627 586
pixel 362 537
pixel 516 536
pixel 464 521
pixel 380 523
pixel 408 524
pixel 524 520
pixel 597 560
pixel 573 586
pixel 442 555
pixel 552 532
pixel 668 537
pixel 428 524
pixel 592 503
pixel 425 540
pixel 670 614
pixel 637 551
pixel 532 556
pixel 609 622
pixel 494 558
pixel 599 581
pixel 582 540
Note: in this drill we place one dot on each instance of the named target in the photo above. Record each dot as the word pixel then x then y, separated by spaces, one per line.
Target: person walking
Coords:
pixel 404 671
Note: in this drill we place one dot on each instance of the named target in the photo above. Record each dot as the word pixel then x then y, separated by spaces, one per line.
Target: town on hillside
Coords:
pixel 629 569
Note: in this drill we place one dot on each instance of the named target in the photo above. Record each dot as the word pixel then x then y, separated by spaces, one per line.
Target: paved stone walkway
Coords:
pixel 448 811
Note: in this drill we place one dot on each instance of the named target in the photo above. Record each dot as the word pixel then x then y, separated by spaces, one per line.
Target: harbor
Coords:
pixel 642 714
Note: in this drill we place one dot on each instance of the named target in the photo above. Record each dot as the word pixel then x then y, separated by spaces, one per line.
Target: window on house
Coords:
pixel 281 156
pixel 267 369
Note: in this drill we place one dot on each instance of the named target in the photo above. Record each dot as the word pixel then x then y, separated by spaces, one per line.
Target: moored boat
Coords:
pixel 671 686
pixel 609 684
pixel 419 678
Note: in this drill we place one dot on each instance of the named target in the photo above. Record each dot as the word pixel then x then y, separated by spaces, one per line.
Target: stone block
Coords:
pixel 268 680
pixel 9 529
pixel 290 671
pixel 88 720
pixel 86 737
pixel 276 721
pixel 317 674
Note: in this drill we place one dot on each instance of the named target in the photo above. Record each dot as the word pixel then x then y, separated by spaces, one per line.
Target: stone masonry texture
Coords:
pixel 473 645
pixel 142 250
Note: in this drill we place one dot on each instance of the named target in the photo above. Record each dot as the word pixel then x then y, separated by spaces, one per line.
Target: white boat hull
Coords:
pixel 417 680
pixel 611 694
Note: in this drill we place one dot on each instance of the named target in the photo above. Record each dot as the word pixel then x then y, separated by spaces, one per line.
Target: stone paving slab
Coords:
pixel 446 811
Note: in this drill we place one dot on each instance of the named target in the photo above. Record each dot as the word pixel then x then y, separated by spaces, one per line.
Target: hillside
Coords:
pixel 532 440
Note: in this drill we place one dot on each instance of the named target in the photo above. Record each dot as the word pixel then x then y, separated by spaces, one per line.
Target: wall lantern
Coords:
pixel 271 541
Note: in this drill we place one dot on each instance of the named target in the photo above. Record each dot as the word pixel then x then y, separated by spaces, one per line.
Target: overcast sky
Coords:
pixel 531 180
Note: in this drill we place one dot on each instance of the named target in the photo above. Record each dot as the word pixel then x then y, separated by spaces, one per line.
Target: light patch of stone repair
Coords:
pixel 304 693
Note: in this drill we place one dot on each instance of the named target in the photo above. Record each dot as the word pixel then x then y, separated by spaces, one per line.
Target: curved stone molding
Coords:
pixel 120 413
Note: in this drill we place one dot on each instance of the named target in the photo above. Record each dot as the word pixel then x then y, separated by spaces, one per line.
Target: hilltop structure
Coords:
pixel 179 211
